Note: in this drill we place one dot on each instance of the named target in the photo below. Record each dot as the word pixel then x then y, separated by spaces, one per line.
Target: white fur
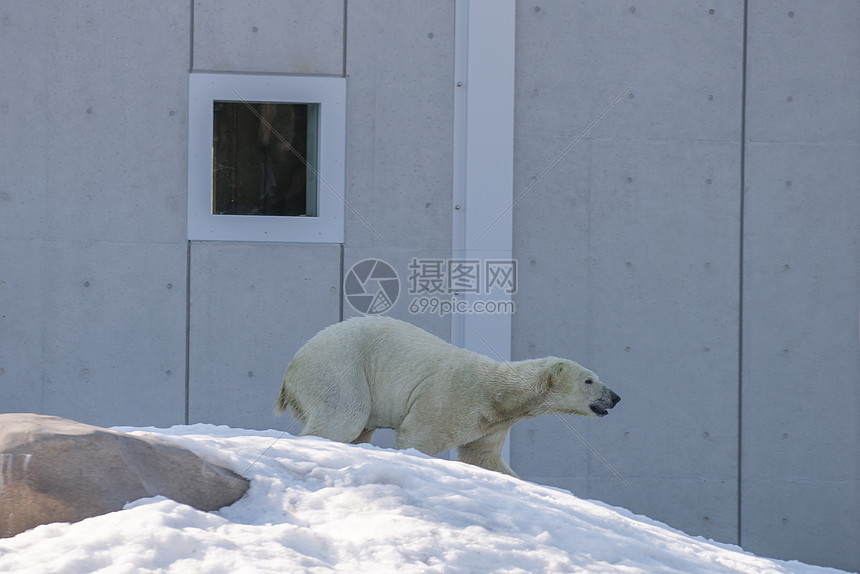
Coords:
pixel 375 372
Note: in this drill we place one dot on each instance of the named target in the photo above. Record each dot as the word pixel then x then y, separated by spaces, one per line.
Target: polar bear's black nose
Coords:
pixel 615 398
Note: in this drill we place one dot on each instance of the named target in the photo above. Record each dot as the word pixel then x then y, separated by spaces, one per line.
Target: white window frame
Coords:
pixel 330 93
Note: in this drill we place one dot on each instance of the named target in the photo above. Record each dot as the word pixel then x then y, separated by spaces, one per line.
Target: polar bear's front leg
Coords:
pixel 486 452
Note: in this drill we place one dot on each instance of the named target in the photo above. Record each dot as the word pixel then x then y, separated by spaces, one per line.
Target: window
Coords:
pixel 266 158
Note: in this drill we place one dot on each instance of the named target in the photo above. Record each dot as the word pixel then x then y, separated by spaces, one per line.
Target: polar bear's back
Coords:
pixel 360 339
pixel 363 361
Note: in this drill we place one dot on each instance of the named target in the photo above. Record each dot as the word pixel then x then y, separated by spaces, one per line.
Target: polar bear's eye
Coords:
pixel 588 381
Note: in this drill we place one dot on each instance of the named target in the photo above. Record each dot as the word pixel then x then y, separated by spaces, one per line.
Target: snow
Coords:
pixel 319 506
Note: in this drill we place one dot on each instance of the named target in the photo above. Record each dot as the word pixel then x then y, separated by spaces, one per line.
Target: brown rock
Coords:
pixel 56 470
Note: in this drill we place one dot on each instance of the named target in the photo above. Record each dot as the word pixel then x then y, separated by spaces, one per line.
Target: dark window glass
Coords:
pixel 264 159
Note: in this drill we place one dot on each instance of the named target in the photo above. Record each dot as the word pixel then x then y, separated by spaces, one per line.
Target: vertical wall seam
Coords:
pixel 345 12
pixel 340 290
pixel 342 275
pixel 187 332
pixel 188 249
pixel 458 147
pixel 743 137
pixel 191 39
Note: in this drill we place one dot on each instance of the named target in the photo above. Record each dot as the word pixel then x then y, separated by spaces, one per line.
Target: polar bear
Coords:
pixel 368 373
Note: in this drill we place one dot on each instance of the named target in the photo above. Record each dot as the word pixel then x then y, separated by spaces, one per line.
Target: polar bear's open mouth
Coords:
pixel 598 410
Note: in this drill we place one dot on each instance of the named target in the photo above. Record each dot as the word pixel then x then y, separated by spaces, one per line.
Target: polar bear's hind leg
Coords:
pixel 339 428
pixel 337 413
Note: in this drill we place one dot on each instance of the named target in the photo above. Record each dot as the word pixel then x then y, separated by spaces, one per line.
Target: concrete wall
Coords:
pixel 92 216
pixel 726 317
pixel 697 245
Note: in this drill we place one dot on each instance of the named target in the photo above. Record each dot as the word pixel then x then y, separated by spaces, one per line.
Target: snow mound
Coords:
pixel 319 506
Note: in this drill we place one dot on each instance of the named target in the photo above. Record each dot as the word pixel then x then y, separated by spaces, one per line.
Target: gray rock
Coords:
pixel 56 470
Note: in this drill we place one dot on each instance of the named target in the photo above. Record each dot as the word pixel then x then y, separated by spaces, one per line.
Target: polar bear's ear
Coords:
pixel 556 370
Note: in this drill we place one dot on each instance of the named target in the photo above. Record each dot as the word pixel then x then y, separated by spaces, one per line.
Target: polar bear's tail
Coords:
pixel 286 401
pixel 283 401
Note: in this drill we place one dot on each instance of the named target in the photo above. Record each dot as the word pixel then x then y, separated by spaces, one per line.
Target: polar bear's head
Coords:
pixel 574 389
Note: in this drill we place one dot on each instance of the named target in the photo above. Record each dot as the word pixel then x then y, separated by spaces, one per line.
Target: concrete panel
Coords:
pixel 803 83
pixel 99 331
pixel 700 506
pixel 95 148
pixel 400 61
pixel 628 265
pixel 627 242
pixel 801 280
pixel 22 326
pixel 277 36
pixel 252 307
pixel 550 244
pixel 814 521
pixel 697 506
pixel 683 63
pixel 800 487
